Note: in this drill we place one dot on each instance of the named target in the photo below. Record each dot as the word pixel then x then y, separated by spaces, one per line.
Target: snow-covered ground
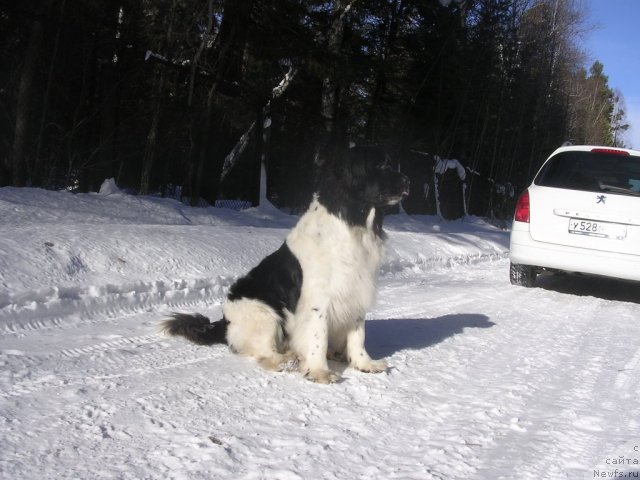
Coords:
pixel 487 380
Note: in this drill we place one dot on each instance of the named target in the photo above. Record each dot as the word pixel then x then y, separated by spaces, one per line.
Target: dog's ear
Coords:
pixel 331 147
pixel 364 159
pixel 332 160
pixel 348 169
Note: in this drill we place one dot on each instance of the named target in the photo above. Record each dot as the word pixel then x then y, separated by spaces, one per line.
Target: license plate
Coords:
pixel 597 229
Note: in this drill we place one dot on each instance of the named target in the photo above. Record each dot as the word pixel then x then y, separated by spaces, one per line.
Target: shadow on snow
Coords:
pixel 591 286
pixel 386 337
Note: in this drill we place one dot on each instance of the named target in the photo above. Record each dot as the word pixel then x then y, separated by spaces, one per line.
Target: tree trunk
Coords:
pixel 152 140
pixel 38 174
pixel 227 57
pixel 150 149
pixel 330 86
pixel 388 44
pixel 18 163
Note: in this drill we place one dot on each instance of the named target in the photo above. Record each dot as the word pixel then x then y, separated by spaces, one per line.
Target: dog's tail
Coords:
pixel 196 328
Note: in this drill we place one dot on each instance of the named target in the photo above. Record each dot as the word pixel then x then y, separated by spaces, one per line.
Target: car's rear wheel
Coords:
pixel 523 275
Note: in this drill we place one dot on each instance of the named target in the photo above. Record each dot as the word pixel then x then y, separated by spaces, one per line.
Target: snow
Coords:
pixel 486 380
pixel 443 164
pixel 109 187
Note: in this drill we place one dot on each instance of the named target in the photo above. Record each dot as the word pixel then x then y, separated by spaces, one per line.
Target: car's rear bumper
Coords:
pixel 525 250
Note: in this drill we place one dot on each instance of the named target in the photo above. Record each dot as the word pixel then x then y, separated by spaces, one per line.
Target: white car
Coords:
pixel 580 214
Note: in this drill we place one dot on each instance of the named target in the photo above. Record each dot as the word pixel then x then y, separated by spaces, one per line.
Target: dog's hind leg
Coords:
pixel 255 330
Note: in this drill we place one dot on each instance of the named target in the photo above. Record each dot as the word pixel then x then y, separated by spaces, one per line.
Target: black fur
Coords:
pixel 196 328
pixel 276 281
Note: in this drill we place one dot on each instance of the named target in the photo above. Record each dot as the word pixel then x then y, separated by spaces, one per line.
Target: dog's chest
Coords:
pixel 339 262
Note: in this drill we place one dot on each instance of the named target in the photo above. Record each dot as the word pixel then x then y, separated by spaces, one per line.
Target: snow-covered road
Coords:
pixel 487 380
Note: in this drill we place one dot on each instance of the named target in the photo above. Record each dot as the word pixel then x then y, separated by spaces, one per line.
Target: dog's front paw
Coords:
pixel 322 376
pixel 371 366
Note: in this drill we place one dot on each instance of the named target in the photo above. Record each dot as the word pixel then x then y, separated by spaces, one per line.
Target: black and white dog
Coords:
pixel 307 300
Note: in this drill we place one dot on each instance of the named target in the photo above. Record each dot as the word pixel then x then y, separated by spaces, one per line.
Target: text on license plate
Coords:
pixel 597 229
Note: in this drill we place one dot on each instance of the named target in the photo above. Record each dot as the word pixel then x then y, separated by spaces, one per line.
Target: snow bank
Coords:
pixel 76 241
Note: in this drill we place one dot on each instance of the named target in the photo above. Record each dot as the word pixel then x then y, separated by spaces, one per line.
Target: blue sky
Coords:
pixel 615 41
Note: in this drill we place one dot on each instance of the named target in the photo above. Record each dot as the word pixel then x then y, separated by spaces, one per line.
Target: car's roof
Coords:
pixel 588 148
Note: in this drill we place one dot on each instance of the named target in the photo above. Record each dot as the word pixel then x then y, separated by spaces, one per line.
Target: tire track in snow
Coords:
pixel 550 346
pixel 57 306
pixel 103 347
pixel 549 396
pixel 134 356
pixel 564 402
pixel 73 342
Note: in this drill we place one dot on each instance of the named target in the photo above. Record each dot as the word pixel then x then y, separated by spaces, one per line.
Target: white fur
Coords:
pixel 254 330
pixel 340 266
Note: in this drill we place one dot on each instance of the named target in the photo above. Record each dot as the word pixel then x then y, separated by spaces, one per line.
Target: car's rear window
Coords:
pixel 591 172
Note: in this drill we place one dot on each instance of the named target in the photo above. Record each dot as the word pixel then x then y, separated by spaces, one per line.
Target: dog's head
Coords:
pixel 358 179
pixel 364 174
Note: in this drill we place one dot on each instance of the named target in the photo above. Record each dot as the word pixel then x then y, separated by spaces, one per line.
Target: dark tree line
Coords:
pixel 196 95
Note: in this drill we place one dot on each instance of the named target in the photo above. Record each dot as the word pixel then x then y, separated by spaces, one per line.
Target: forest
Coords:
pixel 192 98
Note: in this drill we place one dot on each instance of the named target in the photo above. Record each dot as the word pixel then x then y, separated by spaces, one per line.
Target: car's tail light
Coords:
pixel 522 208
pixel 610 151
